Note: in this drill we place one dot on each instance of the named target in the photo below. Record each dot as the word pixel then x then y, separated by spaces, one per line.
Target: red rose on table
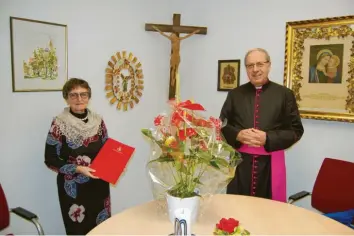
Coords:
pixel 227 225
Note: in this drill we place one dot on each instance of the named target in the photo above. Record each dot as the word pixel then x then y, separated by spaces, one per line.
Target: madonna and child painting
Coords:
pixel 326 62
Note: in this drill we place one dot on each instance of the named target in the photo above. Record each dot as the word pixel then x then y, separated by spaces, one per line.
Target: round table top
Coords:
pixel 259 216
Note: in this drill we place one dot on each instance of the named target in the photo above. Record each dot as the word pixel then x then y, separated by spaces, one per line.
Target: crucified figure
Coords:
pixel 175 47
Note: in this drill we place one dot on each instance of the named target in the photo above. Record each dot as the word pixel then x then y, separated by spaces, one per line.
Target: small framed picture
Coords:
pixel 39 55
pixel 228 74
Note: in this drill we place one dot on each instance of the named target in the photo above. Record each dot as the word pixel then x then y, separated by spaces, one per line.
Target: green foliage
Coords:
pixel 188 166
pixel 43 64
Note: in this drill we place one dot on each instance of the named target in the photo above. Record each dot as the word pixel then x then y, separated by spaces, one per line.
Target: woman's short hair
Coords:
pixel 73 83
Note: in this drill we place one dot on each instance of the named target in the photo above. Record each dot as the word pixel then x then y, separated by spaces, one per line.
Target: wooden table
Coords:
pixel 259 216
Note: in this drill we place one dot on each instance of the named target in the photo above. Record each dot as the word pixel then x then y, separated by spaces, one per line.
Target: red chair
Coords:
pixel 333 190
pixel 19 211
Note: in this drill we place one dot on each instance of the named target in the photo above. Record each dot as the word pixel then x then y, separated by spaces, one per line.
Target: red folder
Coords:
pixel 111 160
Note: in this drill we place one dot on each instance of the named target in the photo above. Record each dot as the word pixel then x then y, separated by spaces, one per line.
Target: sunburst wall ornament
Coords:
pixel 124 80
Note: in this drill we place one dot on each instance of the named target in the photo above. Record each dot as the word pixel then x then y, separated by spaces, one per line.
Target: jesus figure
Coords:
pixel 175 47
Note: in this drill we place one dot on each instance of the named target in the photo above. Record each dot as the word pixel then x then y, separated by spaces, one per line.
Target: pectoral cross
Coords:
pixel 175 29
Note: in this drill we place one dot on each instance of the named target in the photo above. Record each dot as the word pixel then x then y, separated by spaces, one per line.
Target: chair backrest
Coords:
pixel 4 211
pixel 333 190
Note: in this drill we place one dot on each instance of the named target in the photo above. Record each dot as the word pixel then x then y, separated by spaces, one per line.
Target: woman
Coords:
pixel 75 137
pixel 318 71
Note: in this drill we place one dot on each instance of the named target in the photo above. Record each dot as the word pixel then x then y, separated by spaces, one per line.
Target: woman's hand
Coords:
pixel 85 170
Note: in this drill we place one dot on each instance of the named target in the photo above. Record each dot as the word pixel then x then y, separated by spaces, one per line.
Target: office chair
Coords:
pixel 333 191
pixel 19 211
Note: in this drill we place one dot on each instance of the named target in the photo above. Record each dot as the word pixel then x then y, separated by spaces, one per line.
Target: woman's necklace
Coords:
pixel 77 115
pixel 85 118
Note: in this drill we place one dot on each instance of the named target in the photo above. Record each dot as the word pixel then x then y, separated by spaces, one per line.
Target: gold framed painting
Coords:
pixel 319 67
pixel 228 74
pixel 38 55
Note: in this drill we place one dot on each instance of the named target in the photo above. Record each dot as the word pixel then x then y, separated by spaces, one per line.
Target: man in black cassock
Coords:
pixel 260 120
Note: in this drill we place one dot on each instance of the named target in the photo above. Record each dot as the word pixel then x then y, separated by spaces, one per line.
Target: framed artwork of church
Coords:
pixel 228 74
pixel 38 55
pixel 319 67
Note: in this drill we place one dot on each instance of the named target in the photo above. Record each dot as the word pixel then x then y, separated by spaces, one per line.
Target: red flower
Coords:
pixel 158 120
pixel 227 225
pixel 176 118
pixel 202 123
pixel 189 132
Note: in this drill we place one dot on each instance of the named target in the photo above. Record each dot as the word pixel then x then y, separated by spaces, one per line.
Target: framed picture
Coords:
pixel 228 74
pixel 38 55
pixel 319 67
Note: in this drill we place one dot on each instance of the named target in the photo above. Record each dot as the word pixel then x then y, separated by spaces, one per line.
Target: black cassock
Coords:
pixel 272 109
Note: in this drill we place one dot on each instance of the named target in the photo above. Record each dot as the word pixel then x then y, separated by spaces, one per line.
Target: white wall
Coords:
pixel 96 30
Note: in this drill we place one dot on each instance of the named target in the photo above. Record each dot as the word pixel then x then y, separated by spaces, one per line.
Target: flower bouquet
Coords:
pixel 189 157
pixel 230 227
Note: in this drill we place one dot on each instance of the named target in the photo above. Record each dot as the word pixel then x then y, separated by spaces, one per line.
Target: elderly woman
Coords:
pixel 75 137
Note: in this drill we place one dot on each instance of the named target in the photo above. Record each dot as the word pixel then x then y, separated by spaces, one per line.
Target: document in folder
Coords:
pixel 111 160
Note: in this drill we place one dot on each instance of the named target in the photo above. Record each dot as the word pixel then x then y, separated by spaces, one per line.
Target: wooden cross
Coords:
pixel 175 29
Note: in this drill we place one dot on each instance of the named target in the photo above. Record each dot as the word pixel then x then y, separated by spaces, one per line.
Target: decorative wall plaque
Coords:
pixel 124 80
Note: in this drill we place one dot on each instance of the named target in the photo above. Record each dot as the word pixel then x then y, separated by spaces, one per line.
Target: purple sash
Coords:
pixel 278 171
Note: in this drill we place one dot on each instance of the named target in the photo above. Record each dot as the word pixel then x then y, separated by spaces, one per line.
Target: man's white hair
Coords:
pixel 259 50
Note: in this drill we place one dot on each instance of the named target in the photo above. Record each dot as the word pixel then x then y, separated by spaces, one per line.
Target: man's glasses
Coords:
pixel 83 95
pixel 258 64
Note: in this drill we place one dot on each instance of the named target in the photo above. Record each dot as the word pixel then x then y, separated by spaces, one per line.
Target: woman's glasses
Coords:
pixel 83 95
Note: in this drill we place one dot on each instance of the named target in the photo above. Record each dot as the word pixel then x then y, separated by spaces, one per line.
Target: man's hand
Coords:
pixel 247 136
pixel 261 137
pixel 252 137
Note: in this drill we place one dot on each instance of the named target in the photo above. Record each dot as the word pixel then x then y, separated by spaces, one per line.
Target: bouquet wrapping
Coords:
pixel 189 156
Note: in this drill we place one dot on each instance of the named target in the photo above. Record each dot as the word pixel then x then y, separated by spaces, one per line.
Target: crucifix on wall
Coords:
pixel 175 29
